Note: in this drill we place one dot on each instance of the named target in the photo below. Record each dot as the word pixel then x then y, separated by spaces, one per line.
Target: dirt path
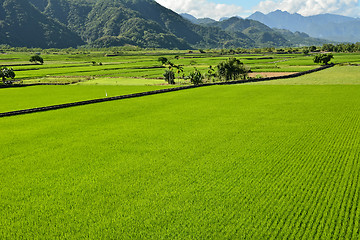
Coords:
pixel 270 74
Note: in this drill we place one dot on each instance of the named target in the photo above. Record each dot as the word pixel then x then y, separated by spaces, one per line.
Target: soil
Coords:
pixel 269 74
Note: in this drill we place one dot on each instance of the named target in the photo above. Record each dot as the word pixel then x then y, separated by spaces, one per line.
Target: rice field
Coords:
pixel 221 162
pixel 93 67
pixel 19 98
pixel 270 160
pixel 338 75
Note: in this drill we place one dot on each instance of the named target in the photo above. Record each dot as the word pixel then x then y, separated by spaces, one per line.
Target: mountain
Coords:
pixel 21 24
pixel 300 38
pixel 144 23
pixel 197 20
pixel 257 32
pixel 328 26
pixel 105 23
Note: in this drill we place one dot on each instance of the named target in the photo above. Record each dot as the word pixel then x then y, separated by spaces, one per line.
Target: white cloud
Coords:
pixel 312 7
pixel 203 8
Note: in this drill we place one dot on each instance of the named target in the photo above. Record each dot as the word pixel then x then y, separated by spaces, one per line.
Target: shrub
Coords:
pixel 323 58
pixel 36 58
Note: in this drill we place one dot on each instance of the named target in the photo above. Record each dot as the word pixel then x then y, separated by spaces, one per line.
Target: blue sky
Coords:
pixel 217 9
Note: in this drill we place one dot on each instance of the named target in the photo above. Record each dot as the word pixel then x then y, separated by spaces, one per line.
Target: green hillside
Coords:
pixel 105 23
pixel 21 24
pixel 263 35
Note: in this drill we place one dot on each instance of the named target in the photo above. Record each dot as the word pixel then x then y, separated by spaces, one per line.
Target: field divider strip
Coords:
pixel 141 94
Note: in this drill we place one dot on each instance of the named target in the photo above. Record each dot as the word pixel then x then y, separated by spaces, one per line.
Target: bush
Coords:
pixel 323 58
pixel 36 58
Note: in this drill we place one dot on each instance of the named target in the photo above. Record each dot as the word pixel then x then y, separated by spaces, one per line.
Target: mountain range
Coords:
pixel 144 23
pixel 327 26
pixel 258 32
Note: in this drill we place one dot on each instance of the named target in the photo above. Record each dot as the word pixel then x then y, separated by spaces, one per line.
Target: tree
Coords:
pixel 36 58
pixel 163 60
pixel 196 77
pixel 211 74
pixel 312 49
pixel 6 73
pixel 179 69
pixel 232 69
pixel 323 58
pixel 169 76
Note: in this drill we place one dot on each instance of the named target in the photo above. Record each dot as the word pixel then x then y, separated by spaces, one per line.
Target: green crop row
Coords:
pixel 219 162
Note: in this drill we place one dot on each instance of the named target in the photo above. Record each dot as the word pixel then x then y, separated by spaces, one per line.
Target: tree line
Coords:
pixel 341 47
pixel 228 70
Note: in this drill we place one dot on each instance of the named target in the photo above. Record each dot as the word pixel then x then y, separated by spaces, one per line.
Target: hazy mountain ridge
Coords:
pixel 261 34
pixel 328 26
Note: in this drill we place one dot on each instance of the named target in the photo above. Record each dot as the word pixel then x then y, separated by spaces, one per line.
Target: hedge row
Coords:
pixel 134 95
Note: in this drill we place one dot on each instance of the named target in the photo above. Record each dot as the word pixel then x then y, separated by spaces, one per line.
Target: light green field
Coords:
pixel 75 67
pixel 338 75
pixel 123 81
pixel 271 160
pixel 221 162
pixel 19 98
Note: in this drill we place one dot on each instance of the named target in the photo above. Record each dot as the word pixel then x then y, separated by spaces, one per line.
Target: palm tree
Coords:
pixel 232 69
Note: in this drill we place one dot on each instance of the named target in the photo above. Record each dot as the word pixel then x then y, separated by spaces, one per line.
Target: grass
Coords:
pixel 221 162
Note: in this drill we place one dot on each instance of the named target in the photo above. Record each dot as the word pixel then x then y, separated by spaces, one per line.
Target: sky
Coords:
pixel 216 9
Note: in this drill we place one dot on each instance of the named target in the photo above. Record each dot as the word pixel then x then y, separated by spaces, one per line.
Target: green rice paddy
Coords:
pixel 338 75
pixel 19 98
pixel 218 162
pixel 97 66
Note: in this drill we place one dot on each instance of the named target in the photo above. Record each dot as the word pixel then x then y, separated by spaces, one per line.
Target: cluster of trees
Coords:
pixel 36 58
pixel 323 58
pixel 6 73
pixel 228 70
pixel 350 47
pixel 342 47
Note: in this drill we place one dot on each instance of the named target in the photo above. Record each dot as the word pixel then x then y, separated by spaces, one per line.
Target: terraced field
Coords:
pixel 101 68
pixel 221 162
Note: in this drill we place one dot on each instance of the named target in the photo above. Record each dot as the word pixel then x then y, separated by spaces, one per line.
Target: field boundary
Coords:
pixel 134 95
